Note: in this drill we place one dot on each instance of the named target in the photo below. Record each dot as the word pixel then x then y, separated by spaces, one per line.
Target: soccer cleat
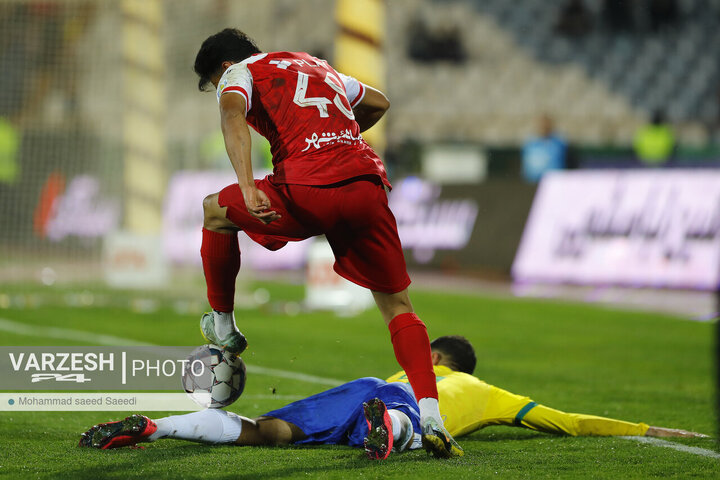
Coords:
pixel 234 342
pixel 129 432
pixel 438 441
pixel 379 440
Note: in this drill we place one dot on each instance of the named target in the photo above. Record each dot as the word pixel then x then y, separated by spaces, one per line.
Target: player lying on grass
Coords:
pixel 326 180
pixel 375 414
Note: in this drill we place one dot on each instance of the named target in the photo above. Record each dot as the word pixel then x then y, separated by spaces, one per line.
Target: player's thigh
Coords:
pixel 365 241
pixel 287 227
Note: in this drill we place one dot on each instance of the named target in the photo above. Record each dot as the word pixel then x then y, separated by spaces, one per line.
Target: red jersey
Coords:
pixel 304 108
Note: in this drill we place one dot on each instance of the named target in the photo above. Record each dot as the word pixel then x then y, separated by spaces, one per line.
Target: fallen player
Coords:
pixel 380 416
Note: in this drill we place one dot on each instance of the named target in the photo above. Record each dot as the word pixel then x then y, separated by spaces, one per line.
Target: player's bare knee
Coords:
pixel 210 205
pixel 214 215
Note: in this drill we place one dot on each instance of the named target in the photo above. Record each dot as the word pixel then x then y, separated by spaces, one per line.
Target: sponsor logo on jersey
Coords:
pixel 330 138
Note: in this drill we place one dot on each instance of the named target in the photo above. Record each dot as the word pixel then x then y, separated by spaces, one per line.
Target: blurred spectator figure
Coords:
pixel 574 19
pixel 9 147
pixel 548 151
pixel 403 158
pixel 426 44
pixel 15 60
pixel 419 44
pixel 9 178
pixel 449 44
pixel 655 142
pixel 716 117
pixel 618 15
pixel 662 13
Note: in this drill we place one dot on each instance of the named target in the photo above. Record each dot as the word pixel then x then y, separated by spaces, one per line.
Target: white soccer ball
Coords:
pixel 213 377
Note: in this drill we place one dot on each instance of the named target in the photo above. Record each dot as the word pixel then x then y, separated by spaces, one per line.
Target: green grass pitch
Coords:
pixel 632 366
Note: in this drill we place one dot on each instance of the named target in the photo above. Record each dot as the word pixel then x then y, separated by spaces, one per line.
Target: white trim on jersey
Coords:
pixel 360 96
pixel 254 58
pixel 238 79
pixel 354 90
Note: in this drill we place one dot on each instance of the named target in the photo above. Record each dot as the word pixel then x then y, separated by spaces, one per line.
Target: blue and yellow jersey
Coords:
pixel 468 404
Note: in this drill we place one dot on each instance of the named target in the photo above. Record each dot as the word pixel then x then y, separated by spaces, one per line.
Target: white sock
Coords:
pixel 224 323
pixel 206 426
pixel 429 409
pixel 401 428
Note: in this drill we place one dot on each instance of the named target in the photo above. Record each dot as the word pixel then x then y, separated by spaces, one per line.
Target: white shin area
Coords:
pixel 206 426
pixel 402 430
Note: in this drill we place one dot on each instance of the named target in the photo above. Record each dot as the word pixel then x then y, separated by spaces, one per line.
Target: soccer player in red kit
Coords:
pixel 326 181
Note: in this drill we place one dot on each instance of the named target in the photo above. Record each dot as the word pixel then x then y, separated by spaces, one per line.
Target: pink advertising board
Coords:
pixel 640 228
pixel 426 222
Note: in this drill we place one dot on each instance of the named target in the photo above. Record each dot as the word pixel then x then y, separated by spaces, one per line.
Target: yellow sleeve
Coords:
pixel 503 407
pixel 549 420
pixel 506 408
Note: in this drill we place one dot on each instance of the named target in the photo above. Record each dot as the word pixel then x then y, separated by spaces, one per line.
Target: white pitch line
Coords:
pixel 111 340
pixel 303 377
pixel 267 396
pixel 67 334
pixel 704 452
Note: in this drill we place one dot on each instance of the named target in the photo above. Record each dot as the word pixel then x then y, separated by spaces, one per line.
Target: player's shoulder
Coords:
pixel 446 372
pixel 466 377
pixel 291 55
pixel 254 60
pixel 240 69
pixel 238 74
pixel 289 61
pixel 397 377
pixel 244 64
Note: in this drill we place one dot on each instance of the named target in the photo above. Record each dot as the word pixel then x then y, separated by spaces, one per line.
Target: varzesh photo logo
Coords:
pixel 205 371
pixel 62 366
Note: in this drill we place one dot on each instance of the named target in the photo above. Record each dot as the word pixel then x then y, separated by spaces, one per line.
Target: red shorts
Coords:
pixel 353 215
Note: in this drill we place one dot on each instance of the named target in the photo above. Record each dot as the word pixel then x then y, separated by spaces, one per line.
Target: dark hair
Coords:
pixel 229 45
pixel 658 117
pixel 459 350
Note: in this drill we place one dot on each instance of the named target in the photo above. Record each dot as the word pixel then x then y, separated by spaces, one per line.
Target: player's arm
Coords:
pixel 371 108
pixel 238 144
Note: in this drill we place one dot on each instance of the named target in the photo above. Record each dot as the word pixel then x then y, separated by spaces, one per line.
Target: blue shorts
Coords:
pixel 336 415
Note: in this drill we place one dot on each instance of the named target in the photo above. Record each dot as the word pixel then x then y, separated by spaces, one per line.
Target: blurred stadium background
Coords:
pixel 107 148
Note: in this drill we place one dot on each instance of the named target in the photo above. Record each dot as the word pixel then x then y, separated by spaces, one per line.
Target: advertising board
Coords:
pixel 640 228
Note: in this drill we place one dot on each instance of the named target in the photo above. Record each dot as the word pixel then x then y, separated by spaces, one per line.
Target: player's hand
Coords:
pixel 258 204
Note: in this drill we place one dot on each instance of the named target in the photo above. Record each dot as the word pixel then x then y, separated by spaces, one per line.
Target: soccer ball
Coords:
pixel 213 377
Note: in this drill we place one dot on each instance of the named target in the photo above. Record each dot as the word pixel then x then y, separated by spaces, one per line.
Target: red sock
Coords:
pixel 412 350
pixel 221 263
